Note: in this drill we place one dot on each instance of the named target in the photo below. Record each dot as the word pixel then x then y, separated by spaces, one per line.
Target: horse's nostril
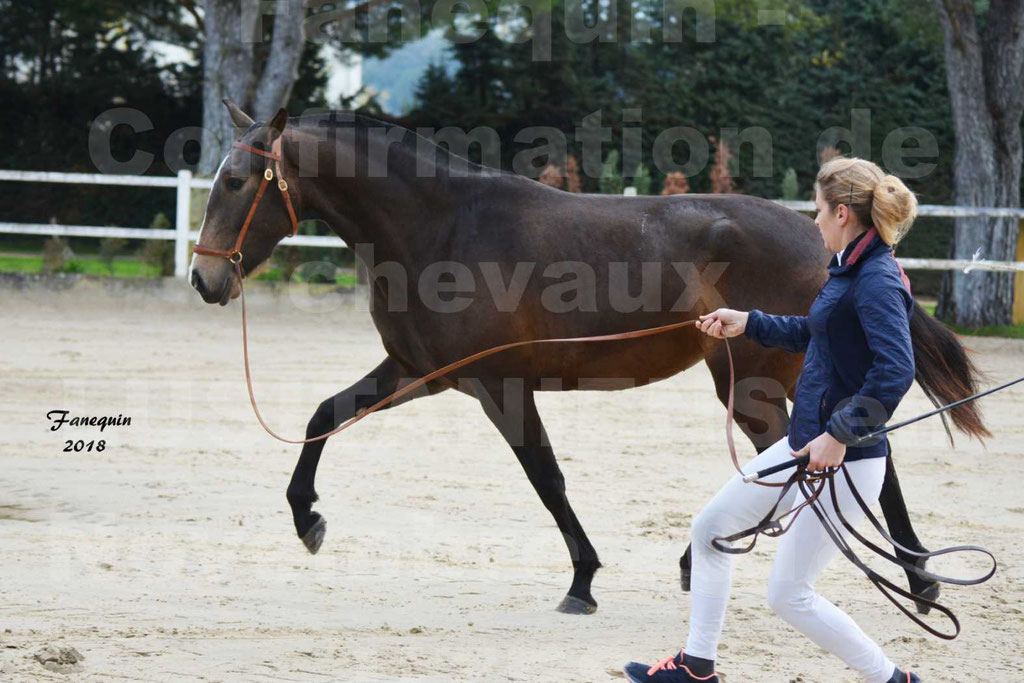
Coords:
pixel 197 282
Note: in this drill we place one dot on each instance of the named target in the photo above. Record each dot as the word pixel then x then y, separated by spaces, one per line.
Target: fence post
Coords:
pixel 182 223
pixel 1018 285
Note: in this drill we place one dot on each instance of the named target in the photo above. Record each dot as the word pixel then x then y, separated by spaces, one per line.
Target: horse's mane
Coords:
pixel 411 140
pixel 353 117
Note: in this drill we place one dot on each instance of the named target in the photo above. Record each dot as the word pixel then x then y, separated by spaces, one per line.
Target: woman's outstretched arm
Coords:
pixel 789 332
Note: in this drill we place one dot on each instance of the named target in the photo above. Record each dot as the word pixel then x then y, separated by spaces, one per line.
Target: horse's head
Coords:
pixel 233 201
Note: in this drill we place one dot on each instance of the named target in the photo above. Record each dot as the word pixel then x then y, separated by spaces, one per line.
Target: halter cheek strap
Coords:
pixel 235 253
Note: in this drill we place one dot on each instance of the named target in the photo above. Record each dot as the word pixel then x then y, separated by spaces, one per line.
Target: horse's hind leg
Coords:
pixel 510 406
pixel 898 521
pixel 381 382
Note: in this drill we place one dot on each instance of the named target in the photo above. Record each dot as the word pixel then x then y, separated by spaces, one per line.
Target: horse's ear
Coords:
pixel 278 123
pixel 241 120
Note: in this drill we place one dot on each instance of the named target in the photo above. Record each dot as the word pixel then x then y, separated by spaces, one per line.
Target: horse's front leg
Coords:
pixel 381 382
pixel 510 406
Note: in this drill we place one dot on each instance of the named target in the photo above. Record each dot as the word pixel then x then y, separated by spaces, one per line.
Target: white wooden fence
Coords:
pixel 182 233
pixel 945 212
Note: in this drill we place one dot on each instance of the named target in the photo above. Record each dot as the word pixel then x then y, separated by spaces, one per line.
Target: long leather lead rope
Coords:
pixel 884 585
pixel 447 369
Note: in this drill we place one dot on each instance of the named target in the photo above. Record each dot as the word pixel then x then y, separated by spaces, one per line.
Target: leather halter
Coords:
pixel 235 253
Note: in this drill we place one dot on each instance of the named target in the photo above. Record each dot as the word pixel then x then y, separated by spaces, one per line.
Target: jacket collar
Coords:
pixel 860 248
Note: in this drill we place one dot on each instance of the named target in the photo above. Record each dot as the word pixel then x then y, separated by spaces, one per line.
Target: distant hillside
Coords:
pixel 396 76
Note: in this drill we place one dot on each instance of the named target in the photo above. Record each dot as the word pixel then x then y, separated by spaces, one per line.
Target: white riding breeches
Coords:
pixel 803 552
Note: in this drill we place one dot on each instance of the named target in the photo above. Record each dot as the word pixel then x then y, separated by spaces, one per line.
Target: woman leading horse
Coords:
pixel 541 263
pixel 858 365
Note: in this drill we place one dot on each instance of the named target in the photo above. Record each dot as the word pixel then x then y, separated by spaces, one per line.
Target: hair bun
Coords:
pixel 893 208
pixel 874 196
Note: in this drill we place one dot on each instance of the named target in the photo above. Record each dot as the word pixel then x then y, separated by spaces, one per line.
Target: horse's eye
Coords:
pixel 235 183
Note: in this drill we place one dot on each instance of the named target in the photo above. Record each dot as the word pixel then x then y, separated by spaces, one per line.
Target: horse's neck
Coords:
pixel 398 213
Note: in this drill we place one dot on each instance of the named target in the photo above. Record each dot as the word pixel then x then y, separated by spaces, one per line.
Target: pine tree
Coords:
pixel 552 176
pixel 675 183
pixel 611 178
pixel 790 186
pixel 642 180
pixel 828 153
pixel 572 175
pixel 721 181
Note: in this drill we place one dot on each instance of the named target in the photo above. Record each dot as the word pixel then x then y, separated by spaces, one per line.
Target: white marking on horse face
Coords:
pixel 216 177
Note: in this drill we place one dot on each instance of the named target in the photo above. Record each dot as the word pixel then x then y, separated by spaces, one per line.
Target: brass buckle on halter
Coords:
pixel 232 255
pixel 282 185
pixel 268 174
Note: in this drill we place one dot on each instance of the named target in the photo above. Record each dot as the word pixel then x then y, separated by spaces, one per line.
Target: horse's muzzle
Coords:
pixel 211 294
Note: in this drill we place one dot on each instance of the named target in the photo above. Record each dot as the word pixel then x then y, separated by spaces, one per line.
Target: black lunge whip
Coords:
pixel 804 459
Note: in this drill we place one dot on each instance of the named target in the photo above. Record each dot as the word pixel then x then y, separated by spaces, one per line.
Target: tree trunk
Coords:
pixel 227 74
pixel 229 69
pixel 985 75
pixel 282 67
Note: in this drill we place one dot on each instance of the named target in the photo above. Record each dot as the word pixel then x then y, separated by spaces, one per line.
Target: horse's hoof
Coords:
pixel 314 538
pixel 929 593
pixel 571 605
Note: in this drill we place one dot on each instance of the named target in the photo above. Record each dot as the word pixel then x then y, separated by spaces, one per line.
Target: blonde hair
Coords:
pixel 875 197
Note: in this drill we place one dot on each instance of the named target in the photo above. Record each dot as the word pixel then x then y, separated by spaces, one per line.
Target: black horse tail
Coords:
pixel 946 373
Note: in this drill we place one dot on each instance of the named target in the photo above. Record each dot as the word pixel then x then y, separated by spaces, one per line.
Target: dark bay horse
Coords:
pixel 506 258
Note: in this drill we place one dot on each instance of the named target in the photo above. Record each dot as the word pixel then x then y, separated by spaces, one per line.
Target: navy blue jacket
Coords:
pixel 859 360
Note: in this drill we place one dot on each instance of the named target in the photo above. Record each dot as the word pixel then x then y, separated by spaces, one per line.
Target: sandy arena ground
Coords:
pixel 171 554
